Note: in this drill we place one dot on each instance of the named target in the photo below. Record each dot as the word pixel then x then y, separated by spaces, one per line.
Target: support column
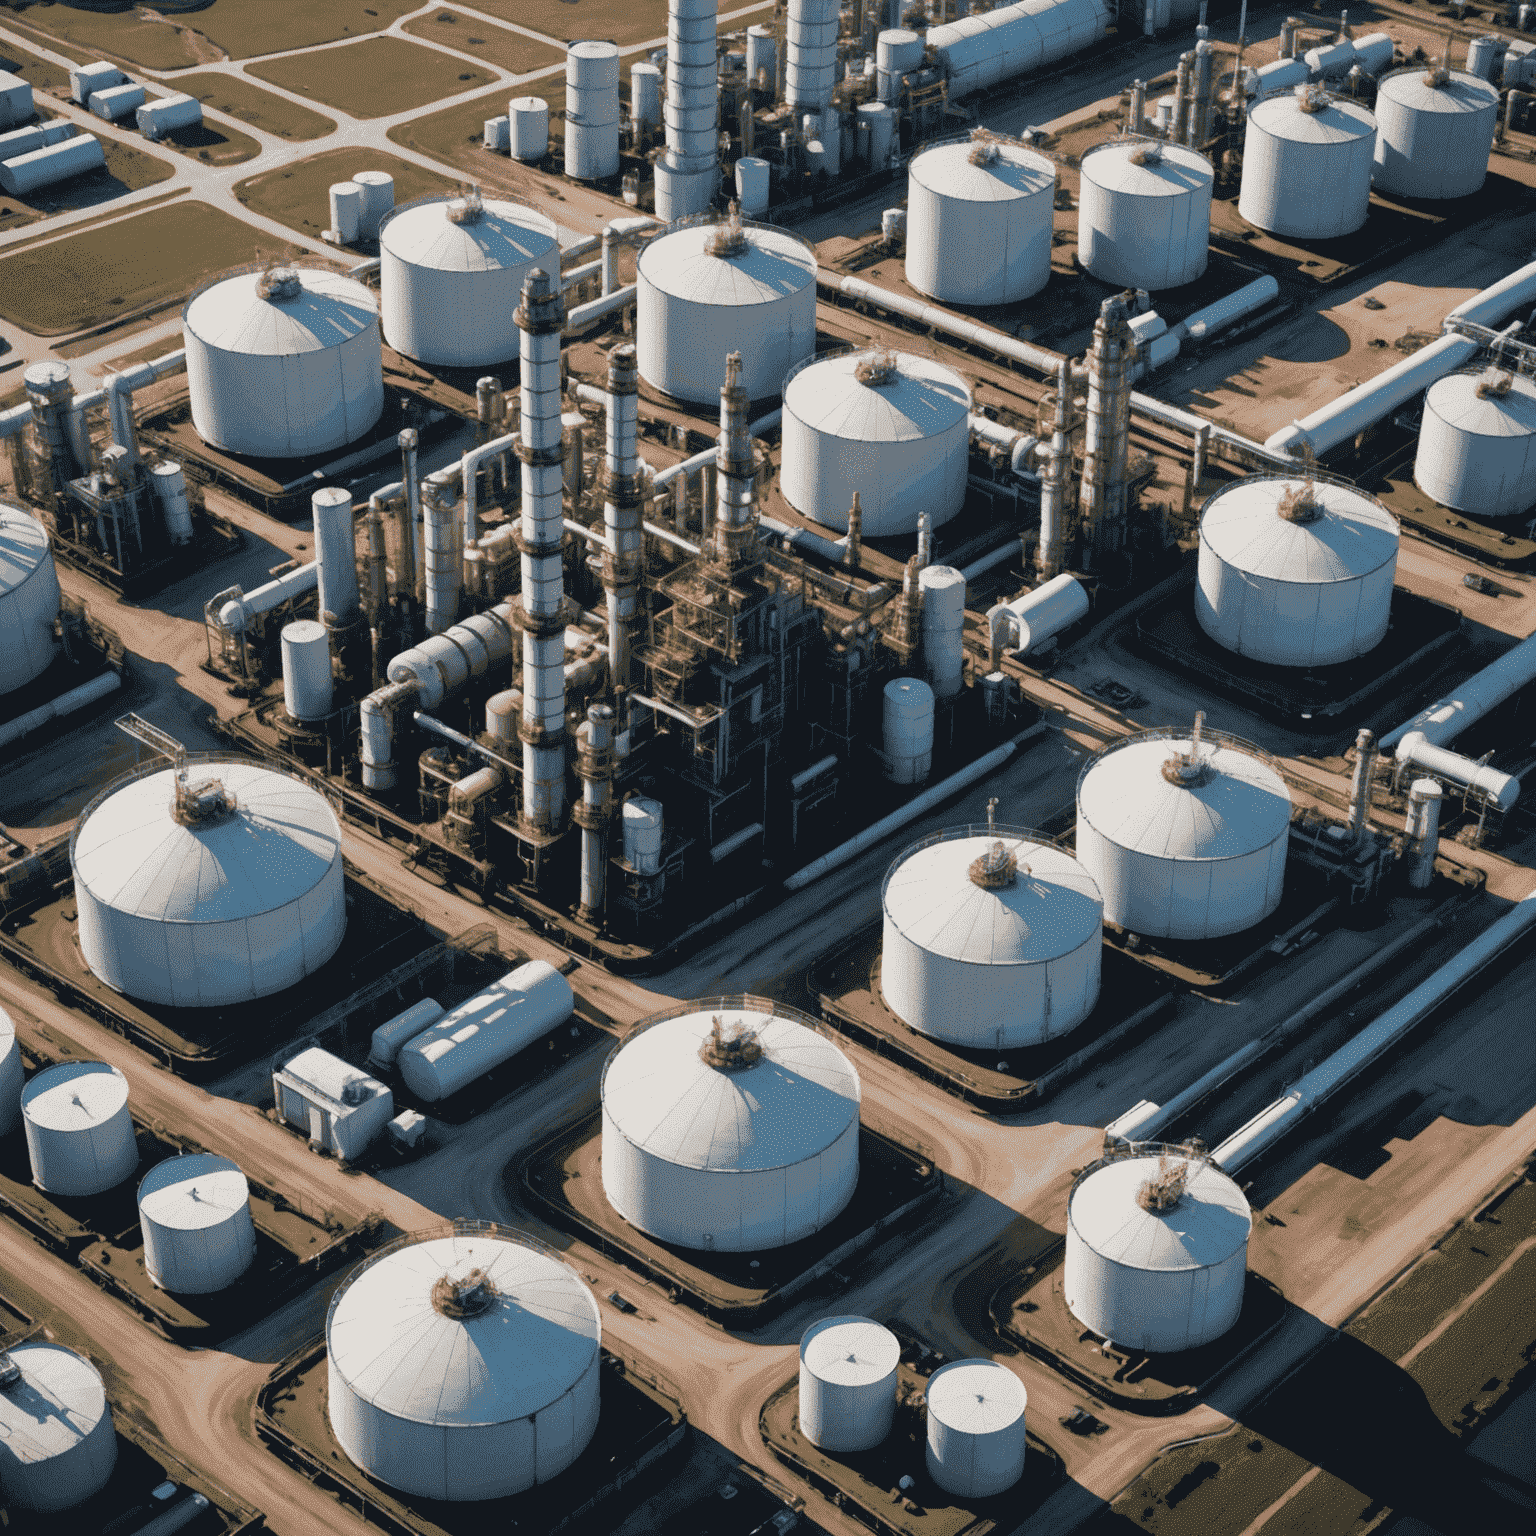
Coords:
pixel 735 471
pixel 624 559
pixel 594 766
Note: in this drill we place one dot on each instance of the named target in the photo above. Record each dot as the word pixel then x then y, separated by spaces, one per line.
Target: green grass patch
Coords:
pixel 261 109
pixel 495 45
pixel 624 21
pixel 120 35
pixel 39 73
pixel 373 78
pixel 298 195
pixel 457 134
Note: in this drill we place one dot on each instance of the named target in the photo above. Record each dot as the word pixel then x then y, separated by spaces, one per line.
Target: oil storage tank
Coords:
pixel 12 1075
pixel 1186 836
pixel 80 1137
pixel 1293 146
pixel 892 426
pixel 847 1383
pixel 463 1366
pixel 976 1429
pixel 730 1125
pixel 29 598
pixel 217 890
pixel 979 221
pixel 1144 214
pixel 992 937
pixel 283 362
pixel 195 1214
pixel 705 290
pixel 1434 133
pixel 1295 571
pixel 1477 443
pixel 1157 1250
pixel 452 276
pixel 57 1444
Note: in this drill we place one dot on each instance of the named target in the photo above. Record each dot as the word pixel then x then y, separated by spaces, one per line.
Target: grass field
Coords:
pixel 38 73
pixel 127 170
pixel 374 78
pixel 457 133
pixel 297 194
pixel 508 50
pixel 119 35
pixel 85 279
pixel 213 144
pixel 261 109
pixel 624 21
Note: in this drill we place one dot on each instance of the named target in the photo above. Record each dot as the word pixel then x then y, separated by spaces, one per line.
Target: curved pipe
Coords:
pixel 119 389
pixel 1500 790
pixel 66 704
pixel 237 613
pixel 1445 719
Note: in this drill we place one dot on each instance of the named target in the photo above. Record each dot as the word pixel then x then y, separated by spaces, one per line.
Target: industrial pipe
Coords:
pixel 691 466
pixel 992 561
pixel 1020 446
pixel 237 613
pixel 377 719
pixel 1500 790
pixel 586 314
pixel 621 232
pixel 1320 1084
pixel 66 704
pixel 1445 719
pixel 469 472
pixel 578 275
pixel 1224 312
pixel 119 389
pixel 1497 303
pixel 803 539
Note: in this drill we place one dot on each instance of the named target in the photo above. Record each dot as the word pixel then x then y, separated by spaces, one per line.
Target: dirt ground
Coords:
pixel 261 109
pixel 84 279
pixel 624 21
pixel 127 169
pixel 496 45
pixel 297 194
pixel 374 78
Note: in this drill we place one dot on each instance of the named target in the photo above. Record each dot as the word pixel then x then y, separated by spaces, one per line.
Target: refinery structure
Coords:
pixel 761 769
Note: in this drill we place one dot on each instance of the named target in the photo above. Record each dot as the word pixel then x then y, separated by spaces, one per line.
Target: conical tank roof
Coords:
pixel 327 310
pixel 1337 122
pixel 849 1351
pixel 1208 1223
pixel 1139 169
pixel 1352 534
pixel 1012 172
pixel 976 1397
pixel 1500 412
pixel 503 236
pixel 773 265
pixel 23 547
pixel 921 399
pixel 194 1191
pixel 74 1096
pixel 1462 93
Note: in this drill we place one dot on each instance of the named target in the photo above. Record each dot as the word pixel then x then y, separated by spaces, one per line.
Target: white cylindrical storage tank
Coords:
pixel 943 589
pixel 1293 146
pixel 12 1075
pixel 907 730
pixel 1295 572
pixel 452 277
pixel 335 551
pixel 1029 621
pixel 497 134
pixel 897 52
pixel 591 110
pixel 463 1367
pixel 80 1136
pixel 238 900
pixel 752 184
pixel 529 123
pixel 57 1444
pixel 283 363
pixel 979 222
pixel 307 683
pixel 1144 216
pixel 645 95
pixel 387 1039
pixel 1184 842
pixel 1157 1250
pixel 892 426
pixel 761 54
pixel 195 1213
pixel 1477 443
pixel 346 211
pixel 880 121
pixel 29 598
pixel 492 1027
pixel 847 1383
pixel 1433 134
pixel 378 198
pixel 169 486
pixel 810 64
pixel 991 939
pixel 1481 52
pixel 976 1431
pixel 642 824
pixel 815 154
pixel 705 291
pixel 729 1125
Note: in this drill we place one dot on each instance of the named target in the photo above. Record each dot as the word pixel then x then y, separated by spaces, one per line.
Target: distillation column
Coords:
pixel 811 71
pixel 624 559
pixel 688 170
pixel 735 472
pixel 1055 476
pixel 594 767
pixel 1108 433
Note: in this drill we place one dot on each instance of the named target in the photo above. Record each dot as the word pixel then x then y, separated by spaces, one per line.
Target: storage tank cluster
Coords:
pixel 1477 443
pixel 1157 1250
pixel 464 1366
pixel 1144 214
pixel 57 1444
pixel 1293 146
pixel 212 888
pixel 29 598
pixel 195 1216
pixel 731 1126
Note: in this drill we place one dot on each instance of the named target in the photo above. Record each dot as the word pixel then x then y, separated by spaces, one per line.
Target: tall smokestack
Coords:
pixel 594 766
pixel 735 471
pixel 623 562
pixel 687 172
pixel 1053 480
pixel 1109 422
pixel 811 71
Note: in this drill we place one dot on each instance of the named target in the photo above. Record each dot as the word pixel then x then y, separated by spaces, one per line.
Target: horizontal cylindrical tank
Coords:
pixel 164 115
pixel 12 1075
pixel 117 101
pixel 57 1444
pixel 346 211
pixel 57 162
pixel 496 134
pixel 1157 1250
pixel 195 1214
pixel 29 598
pixel 943 589
pixel 80 1136
pixel 1296 144
pixel 378 198
pixel 168 483
pixel 529 119
pixel 893 426
pixel 591 110
pixel 1373 53
pixel 729 1125
pixel 907 730
pixel 1029 621
pixel 752 184
pixel 1295 572
pixel 1477 443
pixel 1185 839
pixel 1282 75
pixel 641 821
pixel 979 222
pixel 307 684
pixel 976 1430
pixel 23 141
pixel 16 100
pixel 991 939
pixel 385 1043
pixel 492 1027
pixel 976 52
pixel 284 363
pixel 1331 60
pixel 847 1383
pixel 645 95
pixel 879 121
pixel 1144 214
pixel 1434 133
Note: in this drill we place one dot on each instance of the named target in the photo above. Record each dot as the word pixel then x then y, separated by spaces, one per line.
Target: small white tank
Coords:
pixel 645 95
pixel 897 52
pixel 752 182
pixel 1297 144
pixel 1434 133
pixel 195 1214
pixel 943 590
pixel 1029 621
pixel 57 1444
pixel 847 1383
pixel 642 823
pixel 12 1075
pixel 976 1436
pixel 307 680
pixel 378 198
pixel 528 119
pixel 169 486
pixel 908 730
pixel 1477 443
pixel 80 1136
pixel 878 120
pixel 502 711
pixel 497 134
pixel 1144 214
pixel 346 211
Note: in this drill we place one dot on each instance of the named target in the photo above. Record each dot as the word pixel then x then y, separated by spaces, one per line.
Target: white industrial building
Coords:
pixel 464 1367
pixel 729 1127
pixel 1477 443
pixel 57 1444
pixel 1295 145
pixel 195 1214
pixel 1157 1250
pixel 222 889
pixel 29 598
pixel 1144 214
pixel 80 1135
pixel 341 1107
pixel 976 1428
pixel 847 1383
pixel 12 1075
pixel 991 939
